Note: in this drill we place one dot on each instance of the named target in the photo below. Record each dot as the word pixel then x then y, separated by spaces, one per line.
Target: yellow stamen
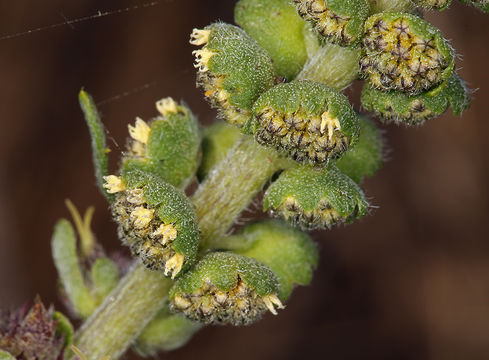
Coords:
pixel 174 265
pixel 271 301
pixel 168 232
pixel 329 122
pixel 199 37
pixel 141 217
pixel 113 184
pixel 140 132
pixel 202 58
pixel 166 106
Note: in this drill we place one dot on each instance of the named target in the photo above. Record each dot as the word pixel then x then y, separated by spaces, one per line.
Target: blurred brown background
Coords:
pixel 411 281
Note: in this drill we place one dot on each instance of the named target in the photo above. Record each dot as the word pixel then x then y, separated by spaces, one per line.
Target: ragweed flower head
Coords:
pixel 167 146
pixel 309 121
pixel 404 53
pixel 157 222
pixel 315 199
pixel 339 21
pixel 232 69
pixel 225 288
pixel 397 107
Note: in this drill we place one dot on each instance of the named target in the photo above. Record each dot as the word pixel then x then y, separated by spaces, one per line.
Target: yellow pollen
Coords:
pixel 202 58
pixel 199 37
pixel 168 232
pixel 140 132
pixel 271 301
pixel 166 106
pixel 141 217
pixel 114 184
pixel 329 122
pixel 174 265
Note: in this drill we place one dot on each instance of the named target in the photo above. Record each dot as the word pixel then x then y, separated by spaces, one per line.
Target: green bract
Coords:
pixel 275 25
pixel 155 219
pixel 232 69
pixel 313 198
pixel 169 146
pixel 225 288
pixel 394 106
pixel 366 156
pixel 218 139
pixel 405 53
pixel 480 4
pixel 433 4
pixel 339 21
pixel 310 121
pixel 288 252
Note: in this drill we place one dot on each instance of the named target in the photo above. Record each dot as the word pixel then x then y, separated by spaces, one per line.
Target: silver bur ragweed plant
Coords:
pixel 275 79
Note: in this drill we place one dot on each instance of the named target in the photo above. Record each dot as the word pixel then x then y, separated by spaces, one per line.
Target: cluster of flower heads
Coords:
pixel 253 74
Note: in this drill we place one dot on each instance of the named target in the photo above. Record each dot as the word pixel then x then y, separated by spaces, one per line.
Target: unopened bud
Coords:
pixel 315 199
pixel 232 69
pixel 225 288
pixel 397 107
pixel 310 121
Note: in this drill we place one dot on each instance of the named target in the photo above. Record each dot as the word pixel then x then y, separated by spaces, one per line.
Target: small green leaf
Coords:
pixel 165 332
pixel 105 277
pixel 97 134
pixel 63 246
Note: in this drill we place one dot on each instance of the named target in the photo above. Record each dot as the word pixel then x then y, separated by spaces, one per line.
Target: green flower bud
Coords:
pixel 394 106
pixel 155 220
pixel 168 146
pixel 288 252
pixel 232 68
pixel 225 288
pixel 275 25
pixel 366 156
pixel 218 139
pixel 165 332
pixel 433 4
pixel 339 21
pixel 310 121
pixel 482 5
pixel 315 199
pixel 405 53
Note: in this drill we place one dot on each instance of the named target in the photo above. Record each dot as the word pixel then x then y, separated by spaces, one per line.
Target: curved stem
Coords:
pixel 141 293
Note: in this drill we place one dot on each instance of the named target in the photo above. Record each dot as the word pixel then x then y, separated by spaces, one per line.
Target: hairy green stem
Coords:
pixel 232 185
pixel 228 190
